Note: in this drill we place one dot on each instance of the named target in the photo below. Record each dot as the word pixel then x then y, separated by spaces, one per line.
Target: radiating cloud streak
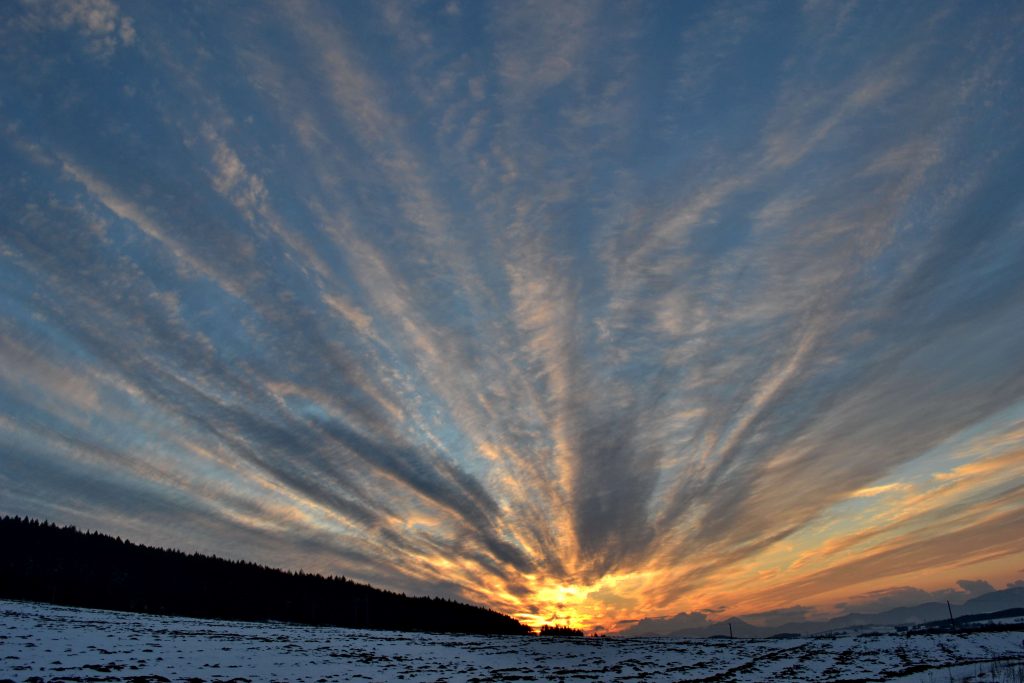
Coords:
pixel 597 313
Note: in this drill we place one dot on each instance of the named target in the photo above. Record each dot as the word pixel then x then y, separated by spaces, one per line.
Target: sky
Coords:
pixel 586 312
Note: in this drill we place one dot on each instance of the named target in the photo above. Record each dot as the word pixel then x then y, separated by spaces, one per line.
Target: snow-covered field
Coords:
pixel 48 643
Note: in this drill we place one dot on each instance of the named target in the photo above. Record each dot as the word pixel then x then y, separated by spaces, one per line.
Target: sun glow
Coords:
pixel 553 603
pixel 589 606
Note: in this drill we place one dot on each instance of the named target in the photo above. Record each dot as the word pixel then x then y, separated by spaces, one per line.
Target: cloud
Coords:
pixel 904 596
pixel 539 48
pixel 665 625
pixel 974 588
pixel 628 312
pixel 99 22
pixel 610 598
pixel 872 491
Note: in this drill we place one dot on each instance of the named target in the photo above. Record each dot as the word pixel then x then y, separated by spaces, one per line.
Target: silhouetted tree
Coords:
pixel 42 562
pixel 560 631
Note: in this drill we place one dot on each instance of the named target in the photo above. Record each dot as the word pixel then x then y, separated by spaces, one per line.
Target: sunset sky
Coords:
pixel 586 312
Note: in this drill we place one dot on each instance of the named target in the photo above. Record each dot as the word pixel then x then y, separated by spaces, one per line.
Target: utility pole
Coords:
pixel 952 624
pixel 730 630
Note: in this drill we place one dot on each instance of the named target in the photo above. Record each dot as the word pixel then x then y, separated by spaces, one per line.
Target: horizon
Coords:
pixel 587 313
pixel 963 593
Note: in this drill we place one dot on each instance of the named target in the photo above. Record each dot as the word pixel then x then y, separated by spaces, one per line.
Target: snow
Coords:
pixel 61 643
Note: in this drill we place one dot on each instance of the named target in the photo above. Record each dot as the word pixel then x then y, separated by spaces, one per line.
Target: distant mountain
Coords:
pixel 46 563
pixel 1005 599
pixel 926 612
pixel 720 629
pixel 916 614
pixel 974 620
pixel 994 601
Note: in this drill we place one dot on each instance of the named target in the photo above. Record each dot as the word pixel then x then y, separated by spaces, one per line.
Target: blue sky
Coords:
pixel 583 311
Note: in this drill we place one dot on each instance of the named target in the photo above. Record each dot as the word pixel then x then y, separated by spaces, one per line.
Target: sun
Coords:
pixel 558 604
pixel 588 606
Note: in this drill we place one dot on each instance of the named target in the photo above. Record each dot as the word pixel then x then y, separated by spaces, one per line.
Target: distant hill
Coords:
pixel 971 620
pixel 926 612
pixel 994 601
pixel 46 563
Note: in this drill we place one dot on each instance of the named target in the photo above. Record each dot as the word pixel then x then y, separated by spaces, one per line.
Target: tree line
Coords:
pixel 563 631
pixel 43 562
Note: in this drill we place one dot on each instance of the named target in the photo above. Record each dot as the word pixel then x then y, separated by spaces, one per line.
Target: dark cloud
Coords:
pixel 614 480
pixel 666 625
pixel 906 596
pixel 974 588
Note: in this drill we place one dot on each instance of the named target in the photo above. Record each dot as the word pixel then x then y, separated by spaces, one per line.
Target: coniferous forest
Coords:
pixel 563 631
pixel 43 562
